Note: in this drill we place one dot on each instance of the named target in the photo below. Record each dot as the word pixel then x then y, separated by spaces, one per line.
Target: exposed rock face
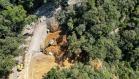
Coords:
pixel 53 25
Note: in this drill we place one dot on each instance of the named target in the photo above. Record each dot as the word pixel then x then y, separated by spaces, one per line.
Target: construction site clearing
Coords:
pixel 55 47
pixel 53 55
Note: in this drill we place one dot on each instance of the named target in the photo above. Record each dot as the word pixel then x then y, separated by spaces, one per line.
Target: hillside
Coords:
pixel 69 39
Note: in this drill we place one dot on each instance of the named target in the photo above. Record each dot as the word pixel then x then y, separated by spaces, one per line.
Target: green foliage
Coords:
pixel 106 49
pixel 30 19
pixel 12 20
pixel 4 4
pixel 95 21
pixel 57 3
pixel 120 70
pixel 14 17
pixel 126 72
pixel 79 71
pixel 29 5
pixel 129 35
pixel 52 74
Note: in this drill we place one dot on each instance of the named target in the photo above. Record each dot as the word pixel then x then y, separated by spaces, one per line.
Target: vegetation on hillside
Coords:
pixel 14 15
pixel 107 30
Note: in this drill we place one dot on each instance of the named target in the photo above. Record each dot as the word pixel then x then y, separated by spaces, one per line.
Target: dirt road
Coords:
pixel 34 47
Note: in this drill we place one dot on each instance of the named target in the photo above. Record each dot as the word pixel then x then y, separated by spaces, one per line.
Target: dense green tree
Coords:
pixel 13 18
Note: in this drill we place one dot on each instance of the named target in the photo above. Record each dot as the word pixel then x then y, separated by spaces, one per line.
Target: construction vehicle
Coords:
pixel 20 67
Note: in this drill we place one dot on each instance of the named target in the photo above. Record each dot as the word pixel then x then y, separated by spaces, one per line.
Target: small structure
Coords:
pixel 20 67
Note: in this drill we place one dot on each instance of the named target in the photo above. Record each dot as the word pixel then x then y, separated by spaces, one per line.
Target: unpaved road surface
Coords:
pixel 34 45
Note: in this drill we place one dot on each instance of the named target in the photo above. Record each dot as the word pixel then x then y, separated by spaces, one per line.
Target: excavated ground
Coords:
pixel 41 64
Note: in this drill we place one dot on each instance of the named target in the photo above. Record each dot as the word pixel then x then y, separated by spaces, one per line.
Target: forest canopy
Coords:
pixel 14 15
